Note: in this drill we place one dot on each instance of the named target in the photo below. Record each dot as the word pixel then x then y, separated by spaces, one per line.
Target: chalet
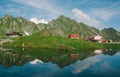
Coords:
pixel 74 36
pixel 13 34
pixel 97 38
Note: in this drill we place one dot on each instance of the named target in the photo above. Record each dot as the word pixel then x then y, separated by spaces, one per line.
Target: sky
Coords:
pixel 96 13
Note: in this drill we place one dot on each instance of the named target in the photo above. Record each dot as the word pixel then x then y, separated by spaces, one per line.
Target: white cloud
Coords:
pixel 35 20
pixel 45 6
pixel 80 16
pixel 103 14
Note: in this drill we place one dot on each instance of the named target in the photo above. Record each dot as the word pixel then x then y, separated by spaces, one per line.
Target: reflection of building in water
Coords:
pixel 100 51
pixel 74 56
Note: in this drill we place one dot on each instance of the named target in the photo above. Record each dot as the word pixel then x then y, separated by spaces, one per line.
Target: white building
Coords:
pixel 98 37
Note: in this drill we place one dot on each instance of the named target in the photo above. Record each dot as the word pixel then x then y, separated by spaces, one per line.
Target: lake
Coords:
pixel 36 62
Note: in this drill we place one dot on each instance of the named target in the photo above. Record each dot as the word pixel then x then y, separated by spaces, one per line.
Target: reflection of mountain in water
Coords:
pixel 111 52
pixel 60 58
pixel 9 58
pixel 63 59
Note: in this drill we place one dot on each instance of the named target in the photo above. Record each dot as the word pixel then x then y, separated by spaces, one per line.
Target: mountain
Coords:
pixel 9 24
pixel 111 33
pixel 62 26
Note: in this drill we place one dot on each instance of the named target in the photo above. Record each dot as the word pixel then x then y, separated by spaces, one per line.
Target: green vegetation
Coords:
pixel 8 58
pixel 46 40
pixel 46 55
pixel 61 58
pixel 111 46
pixel 43 40
pixel 55 56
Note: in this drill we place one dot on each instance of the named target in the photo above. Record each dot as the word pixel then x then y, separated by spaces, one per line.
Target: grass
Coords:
pixel 52 42
pixel 48 41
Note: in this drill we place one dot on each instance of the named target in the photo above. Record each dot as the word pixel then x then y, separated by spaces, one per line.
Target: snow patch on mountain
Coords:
pixel 26 33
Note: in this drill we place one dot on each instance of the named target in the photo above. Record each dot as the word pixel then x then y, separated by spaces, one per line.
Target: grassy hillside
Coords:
pixel 46 40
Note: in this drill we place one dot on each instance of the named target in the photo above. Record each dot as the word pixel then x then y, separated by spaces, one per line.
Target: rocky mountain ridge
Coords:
pixel 62 26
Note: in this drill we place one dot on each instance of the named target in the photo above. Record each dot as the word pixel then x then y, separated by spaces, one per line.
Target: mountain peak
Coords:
pixel 66 19
pixel 7 17
pixel 21 18
pixel 63 17
pixel 109 29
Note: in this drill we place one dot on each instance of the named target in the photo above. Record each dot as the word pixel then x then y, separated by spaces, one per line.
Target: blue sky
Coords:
pixel 97 13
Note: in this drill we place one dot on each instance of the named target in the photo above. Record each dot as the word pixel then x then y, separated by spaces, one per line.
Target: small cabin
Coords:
pixel 74 36
pixel 13 34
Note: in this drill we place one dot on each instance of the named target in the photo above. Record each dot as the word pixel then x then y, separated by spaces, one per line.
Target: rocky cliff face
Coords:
pixel 9 24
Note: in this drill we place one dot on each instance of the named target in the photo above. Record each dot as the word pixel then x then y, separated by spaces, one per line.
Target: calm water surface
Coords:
pixel 50 63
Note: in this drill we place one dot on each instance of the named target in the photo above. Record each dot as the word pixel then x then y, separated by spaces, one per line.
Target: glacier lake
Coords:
pixel 36 62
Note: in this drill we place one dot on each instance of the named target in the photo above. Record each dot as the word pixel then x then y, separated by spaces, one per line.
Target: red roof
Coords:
pixel 73 35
